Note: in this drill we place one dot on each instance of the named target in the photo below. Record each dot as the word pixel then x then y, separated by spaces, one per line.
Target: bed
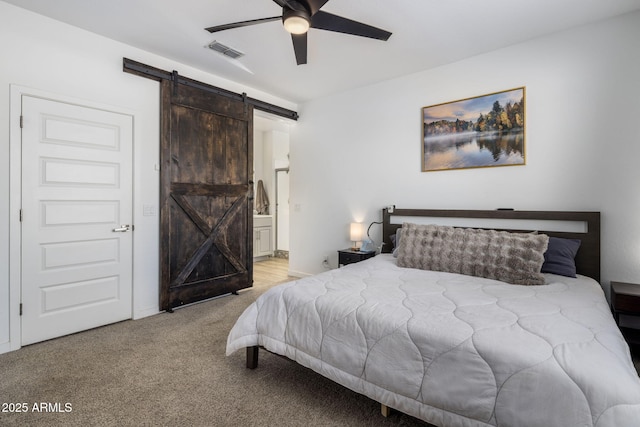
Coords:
pixel 436 334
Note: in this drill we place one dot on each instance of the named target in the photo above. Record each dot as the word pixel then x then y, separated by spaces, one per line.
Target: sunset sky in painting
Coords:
pixel 470 109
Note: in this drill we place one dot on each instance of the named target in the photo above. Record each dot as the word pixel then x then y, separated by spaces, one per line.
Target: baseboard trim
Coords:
pixel 298 274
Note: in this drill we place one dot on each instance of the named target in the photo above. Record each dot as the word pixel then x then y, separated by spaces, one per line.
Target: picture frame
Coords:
pixel 477 132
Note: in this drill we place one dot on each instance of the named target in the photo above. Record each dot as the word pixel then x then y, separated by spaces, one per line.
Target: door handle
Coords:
pixel 122 229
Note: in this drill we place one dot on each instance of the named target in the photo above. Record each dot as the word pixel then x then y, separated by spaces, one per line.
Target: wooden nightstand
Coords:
pixel 625 299
pixel 349 256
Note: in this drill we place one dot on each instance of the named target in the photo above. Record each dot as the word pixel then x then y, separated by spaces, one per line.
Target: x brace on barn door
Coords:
pixel 214 237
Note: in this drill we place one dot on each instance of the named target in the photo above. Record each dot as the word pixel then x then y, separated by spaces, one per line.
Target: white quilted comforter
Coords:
pixel 454 350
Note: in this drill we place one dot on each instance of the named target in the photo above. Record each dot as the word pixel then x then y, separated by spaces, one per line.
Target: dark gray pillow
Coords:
pixel 560 256
pixel 510 257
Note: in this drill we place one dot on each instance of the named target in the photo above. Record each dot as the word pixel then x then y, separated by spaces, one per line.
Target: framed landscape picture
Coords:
pixel 475 132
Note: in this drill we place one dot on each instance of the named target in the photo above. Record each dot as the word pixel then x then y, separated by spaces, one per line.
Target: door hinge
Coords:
pixel 21 121
pixel 20 215
pixel 20 309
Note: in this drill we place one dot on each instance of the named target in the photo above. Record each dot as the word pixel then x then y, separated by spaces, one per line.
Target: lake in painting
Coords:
pixel 475 132
pixel 473 149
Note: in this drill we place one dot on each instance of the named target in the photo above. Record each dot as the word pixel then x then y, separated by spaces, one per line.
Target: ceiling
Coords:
pixel 426 34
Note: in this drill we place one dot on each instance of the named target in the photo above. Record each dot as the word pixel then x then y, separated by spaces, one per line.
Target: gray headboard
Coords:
pixel 585 226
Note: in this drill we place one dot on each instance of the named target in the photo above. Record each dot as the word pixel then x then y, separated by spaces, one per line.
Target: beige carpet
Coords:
pixel 170 370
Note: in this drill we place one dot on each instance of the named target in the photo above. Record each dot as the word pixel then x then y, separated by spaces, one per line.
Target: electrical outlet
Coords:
pixel 325 262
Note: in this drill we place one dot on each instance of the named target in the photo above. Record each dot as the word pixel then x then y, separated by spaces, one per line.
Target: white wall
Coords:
pixel 50 56
pixel 356 152
pixel 278 149
pixel 283 227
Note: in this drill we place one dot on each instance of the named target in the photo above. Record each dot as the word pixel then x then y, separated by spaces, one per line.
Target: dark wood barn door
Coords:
pixel 206 195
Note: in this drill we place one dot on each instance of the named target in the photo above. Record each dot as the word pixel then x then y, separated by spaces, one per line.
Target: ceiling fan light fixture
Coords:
pixel 300 16
pixel 296 21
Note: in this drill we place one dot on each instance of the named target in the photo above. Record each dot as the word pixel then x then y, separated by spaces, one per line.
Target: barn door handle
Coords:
pixel 122 229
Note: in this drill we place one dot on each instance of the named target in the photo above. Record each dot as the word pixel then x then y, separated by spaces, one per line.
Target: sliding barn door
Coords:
pixel 206 195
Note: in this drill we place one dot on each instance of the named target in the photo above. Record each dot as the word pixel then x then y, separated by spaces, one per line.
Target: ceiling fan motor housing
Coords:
pixel 296 21
pixel 296 5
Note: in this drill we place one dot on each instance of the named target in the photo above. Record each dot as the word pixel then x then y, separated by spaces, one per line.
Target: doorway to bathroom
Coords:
pixel 271 178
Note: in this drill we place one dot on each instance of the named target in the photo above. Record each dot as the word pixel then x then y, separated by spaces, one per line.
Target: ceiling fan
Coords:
pixel 300 15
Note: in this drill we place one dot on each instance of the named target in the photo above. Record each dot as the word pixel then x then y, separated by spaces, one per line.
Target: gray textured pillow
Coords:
pixel 510 257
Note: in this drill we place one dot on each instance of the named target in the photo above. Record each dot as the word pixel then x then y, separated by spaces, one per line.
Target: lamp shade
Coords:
pixel 355 232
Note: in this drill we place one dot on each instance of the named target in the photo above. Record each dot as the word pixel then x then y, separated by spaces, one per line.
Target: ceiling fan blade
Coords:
pixel 300 47
pixel 242 24
pixel 315 5
pixel 327 21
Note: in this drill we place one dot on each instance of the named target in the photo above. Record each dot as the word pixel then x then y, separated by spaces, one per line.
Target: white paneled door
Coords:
pixel 76 218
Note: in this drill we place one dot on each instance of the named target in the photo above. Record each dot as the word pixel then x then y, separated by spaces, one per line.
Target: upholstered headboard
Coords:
pixel 569 225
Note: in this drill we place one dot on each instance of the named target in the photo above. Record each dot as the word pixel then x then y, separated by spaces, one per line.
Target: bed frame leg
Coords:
pixel 252 357
pixel 386 411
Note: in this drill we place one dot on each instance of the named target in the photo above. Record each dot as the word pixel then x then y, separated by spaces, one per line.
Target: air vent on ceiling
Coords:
pixel 225 50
